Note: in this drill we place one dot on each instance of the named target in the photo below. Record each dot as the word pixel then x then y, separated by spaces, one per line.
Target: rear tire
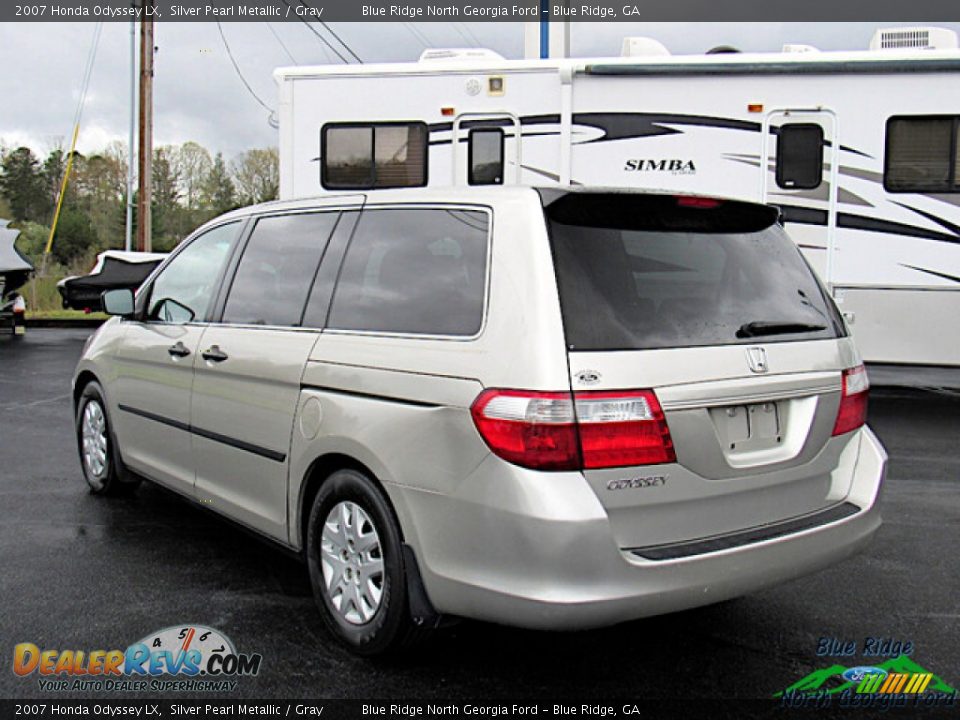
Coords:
pixel 355 558
pixel 100 460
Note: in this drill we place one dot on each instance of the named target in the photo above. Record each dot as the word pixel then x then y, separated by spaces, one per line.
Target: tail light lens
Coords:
pixel 531 429
pixel 560 431
pixel 853 403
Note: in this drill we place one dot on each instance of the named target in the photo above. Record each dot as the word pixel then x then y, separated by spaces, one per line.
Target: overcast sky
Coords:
pixel 198 95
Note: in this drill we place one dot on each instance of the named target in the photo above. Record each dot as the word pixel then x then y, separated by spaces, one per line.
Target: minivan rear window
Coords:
pixel 643 272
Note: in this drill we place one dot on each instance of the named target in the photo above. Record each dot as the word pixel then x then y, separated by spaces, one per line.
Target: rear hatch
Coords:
pixel 706 309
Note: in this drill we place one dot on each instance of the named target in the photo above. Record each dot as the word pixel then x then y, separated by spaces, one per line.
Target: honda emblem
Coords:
pixel 757 359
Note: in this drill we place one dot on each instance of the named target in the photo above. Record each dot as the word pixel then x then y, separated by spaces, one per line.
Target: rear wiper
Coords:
pixel 776 327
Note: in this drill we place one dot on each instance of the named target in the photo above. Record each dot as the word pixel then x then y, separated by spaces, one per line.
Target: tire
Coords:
pixel 97 445
pixel 351 528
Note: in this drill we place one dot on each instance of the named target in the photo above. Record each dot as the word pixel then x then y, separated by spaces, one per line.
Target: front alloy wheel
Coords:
pixel 93 439
pixel 99 456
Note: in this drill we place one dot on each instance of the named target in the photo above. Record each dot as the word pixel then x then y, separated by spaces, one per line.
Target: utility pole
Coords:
pixel 145 154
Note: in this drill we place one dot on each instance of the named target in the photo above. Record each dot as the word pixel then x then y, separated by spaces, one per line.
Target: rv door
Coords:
pixel 801 153
pixel 486 149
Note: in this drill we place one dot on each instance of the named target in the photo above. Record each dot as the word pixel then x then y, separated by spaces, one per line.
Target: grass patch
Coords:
pixel 64 315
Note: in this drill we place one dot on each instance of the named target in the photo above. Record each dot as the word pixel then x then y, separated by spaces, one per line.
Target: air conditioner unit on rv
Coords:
pixel 459 54
pixel 642 47
pixel 792 48
pixel 914 38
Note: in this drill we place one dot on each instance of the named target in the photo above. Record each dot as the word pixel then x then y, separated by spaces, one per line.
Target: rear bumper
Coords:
pixel 535 553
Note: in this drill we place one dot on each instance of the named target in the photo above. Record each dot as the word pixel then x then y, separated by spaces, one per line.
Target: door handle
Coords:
pixel 214 354
pixel 178 350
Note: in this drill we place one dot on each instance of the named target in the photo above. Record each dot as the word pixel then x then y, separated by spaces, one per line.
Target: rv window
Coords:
pixel 357 156
pixel 800 156
pixel 921 154
pixel 275 273
pixel 485 151
pixel 414 271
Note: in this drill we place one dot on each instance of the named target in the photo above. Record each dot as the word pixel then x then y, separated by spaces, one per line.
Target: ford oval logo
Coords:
pixel 588 377
pixel 856 674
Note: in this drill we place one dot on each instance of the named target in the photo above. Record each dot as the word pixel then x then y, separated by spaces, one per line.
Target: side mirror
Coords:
pixel 118 302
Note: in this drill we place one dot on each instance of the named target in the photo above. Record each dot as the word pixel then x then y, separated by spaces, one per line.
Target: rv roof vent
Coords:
pixel 796 48
pixel 913 38
pixel 459 54
pixel 642 47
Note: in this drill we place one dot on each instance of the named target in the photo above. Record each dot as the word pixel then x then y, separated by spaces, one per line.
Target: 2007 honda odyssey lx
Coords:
pixel 546 408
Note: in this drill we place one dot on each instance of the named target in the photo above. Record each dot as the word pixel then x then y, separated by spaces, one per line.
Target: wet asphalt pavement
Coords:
pixel 77 571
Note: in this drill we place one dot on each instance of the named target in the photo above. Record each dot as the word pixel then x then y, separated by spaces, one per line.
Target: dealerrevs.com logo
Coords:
pixel 178 658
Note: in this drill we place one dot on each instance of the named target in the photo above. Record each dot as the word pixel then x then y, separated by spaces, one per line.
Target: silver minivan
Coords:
pixel 549 408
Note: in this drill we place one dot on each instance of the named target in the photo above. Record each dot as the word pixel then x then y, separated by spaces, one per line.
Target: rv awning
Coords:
pixel 802 66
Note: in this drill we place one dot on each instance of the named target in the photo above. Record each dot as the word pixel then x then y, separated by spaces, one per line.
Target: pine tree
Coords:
pixel 219 193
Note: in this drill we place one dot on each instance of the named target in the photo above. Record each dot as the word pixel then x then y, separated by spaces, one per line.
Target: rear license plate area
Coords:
pixel 747 427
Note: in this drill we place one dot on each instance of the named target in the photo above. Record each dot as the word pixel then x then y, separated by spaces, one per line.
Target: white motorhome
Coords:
pixel 859 149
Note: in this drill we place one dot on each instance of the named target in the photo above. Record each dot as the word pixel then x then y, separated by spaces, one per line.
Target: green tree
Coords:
pixel 52 176
pixel 218 192
pixel 75 236
pixel 22 185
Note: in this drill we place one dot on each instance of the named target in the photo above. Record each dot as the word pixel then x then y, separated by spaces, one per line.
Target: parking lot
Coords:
pixel 84 572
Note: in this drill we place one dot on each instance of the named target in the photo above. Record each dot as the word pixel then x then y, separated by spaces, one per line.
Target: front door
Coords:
pixel 151 391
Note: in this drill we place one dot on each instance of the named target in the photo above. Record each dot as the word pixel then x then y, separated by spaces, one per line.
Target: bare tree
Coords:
pixel 256 175
pixel 192 163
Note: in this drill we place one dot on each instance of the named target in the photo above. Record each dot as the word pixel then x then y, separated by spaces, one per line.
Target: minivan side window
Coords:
pixel 799 156
pixel 414 271
pixel 277 269
pixel 184 289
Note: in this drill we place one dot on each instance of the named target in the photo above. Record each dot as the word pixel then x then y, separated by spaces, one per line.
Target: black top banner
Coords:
pixel 917 11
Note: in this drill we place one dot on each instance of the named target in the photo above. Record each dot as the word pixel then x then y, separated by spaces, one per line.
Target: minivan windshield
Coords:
pixel 658 271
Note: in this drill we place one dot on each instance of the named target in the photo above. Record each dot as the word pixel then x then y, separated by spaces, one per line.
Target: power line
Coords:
pixel 240 73
pixel 417 35
pixel 460 33
pixel 329 29
pixel 319 36
pixel 285 48
pixel 469 32
pixel 341 41
pixel 88 72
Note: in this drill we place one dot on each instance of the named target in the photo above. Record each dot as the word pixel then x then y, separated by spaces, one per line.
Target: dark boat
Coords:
pixel 114 269
pixel 15 271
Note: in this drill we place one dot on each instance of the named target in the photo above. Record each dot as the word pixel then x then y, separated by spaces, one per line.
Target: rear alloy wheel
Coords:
pixel 352 563
pixel 355 557
pixel 102 467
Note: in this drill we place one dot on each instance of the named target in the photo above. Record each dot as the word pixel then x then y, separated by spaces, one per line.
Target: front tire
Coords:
pixel 99 455
pixel 356 564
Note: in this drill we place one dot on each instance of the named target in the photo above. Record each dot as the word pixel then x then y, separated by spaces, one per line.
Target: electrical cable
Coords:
pixel 240 73
pixel 469 32
pixel 319 36
pixel 282 44
pixel 341 41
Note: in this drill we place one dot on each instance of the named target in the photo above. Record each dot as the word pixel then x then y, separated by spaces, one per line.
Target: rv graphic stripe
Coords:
pixel 812 216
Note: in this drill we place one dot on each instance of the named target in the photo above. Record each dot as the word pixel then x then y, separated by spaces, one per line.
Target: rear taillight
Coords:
pixel 853 403
pixel 532 429
pixel 586 430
